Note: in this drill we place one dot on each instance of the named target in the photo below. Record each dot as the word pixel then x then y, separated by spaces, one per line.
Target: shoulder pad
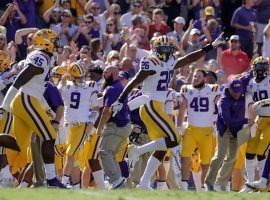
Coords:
pixel 184 88
pixel 92 84
pixel 214 88
pixel 153 60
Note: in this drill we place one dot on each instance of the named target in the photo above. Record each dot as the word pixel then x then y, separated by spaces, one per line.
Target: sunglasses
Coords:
pixel 96 8
pixel 2 39
pixel 116 13
pixel 235 41
pixel 84 52
pixel 67 16
pixel 88 22
pixel 135 5
pixel 115 57
pixel 110 24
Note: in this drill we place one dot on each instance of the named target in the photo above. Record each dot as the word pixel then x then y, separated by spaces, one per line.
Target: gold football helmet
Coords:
pixel 4 61
pixel 47 40
pixel 77 73
pixel 163 47
pixel 57 73
pixel 260 67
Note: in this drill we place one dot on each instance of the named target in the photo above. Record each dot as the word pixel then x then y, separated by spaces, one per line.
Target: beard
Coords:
pixel 200 85
pixel 107 82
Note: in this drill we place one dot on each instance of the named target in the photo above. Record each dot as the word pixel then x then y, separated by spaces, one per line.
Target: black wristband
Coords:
pixel 208 48
pixel 55 122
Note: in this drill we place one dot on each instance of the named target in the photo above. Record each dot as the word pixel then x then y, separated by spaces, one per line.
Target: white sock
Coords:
pixel 99 179
pixel 184 185
pixel 250 169
pixel 156 145
pixel 50 171
pixel 66 180
pixel 197 180
pixel 261 166
pixel 162 185
pixel 6 172
pixel 23 184
pixel 77 186
pixel 150 169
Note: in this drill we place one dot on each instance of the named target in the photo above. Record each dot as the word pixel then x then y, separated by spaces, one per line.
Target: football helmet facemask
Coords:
pixel 260 67
pixel 77 73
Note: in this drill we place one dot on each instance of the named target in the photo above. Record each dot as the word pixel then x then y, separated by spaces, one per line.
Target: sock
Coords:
pixel 261 164
pixel 197 180
pixel 250 169
pixel 162 185
pixel 156 145
pixel 266 170
pixel 264 181
pixel 6 172
pixel 150 169
pixel 184 185
pixel 99 179
pixel 66 180
pixel 50 171
pixel 76 186
pixel 166 165
pixel 23 184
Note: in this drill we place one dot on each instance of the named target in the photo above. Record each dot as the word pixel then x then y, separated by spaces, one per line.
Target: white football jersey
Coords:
pixel 200 104
pixel 260 91
pixel 37 85
pixel 78 101
pixel 169 103
pixel 156 85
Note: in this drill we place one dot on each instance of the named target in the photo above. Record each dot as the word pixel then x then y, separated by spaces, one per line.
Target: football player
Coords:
pixel 80 114
pixel 258 87
pixel 156 72
pixel 25 101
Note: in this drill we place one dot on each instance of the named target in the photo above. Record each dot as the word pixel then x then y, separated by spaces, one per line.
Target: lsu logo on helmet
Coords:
pixel 260 67
pixel 163 47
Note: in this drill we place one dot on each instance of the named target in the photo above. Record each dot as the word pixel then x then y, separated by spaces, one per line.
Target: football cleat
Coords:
pixel 257 186
pixel 55 183
pixel 133 156
pixel 117 183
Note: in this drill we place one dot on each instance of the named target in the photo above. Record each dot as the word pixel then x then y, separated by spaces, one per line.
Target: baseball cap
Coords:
pixel 209 10
pixel 195 31
pixel 236 85
pixel 67 11
pixel 180 20
pixel 234 37
pixel 136 2
pixel 124 75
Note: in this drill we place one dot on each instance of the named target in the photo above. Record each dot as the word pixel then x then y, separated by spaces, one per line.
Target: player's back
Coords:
pixel 37 85
pixel 155 86
pixel 200 104
pixel 77 101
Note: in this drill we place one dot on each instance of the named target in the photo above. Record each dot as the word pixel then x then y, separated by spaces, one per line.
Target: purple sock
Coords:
pixel 266 170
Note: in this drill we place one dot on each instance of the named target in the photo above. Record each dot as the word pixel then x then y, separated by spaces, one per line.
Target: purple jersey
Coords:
pixel 53 96
pixel 122 118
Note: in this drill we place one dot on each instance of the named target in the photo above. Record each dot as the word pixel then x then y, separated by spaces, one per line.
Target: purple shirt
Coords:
pixel 12 28
pixel 122 118
pixel 28 9
pixel 82 39
pixel 244 16
pixel 263 12
pixel 53 96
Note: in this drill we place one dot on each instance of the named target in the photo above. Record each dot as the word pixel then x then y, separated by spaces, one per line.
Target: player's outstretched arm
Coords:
pixel 25 75
pixel 192 57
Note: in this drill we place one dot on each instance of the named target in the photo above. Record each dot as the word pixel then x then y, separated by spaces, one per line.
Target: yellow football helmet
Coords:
pixel 58 70
pixel 77 73
pixel 260 67
pixel 4 61
pixel 163 47
pixel 47 40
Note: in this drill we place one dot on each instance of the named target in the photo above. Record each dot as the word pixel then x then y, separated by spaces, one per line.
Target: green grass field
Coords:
pixel 55 194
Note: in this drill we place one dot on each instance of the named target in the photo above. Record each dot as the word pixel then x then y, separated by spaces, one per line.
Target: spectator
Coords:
pixel 3 42
pixel 113 130
pixel 96 75
pixel 111 37
pixel 52 16
pixel 65 29
pixel 28 8
pixel 266 41
pixel 171 10
pixel 11 21
pixel 263 10
pixel 158 24
pixel 231 118
pixel 112 57
pixel 23 39
pixel 136 8
pixel 244 21
pixel 178 32
pixel 86 31
pixel 96 48
pixel 234 60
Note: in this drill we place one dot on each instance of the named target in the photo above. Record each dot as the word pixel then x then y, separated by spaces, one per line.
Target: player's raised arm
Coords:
pixel 192 57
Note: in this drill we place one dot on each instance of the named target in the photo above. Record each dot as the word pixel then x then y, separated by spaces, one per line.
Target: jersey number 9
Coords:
pixel 75 100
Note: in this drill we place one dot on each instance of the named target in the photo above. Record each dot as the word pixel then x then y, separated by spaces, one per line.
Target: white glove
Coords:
pixel 259 104
pixel 219 40
pixel 116 107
